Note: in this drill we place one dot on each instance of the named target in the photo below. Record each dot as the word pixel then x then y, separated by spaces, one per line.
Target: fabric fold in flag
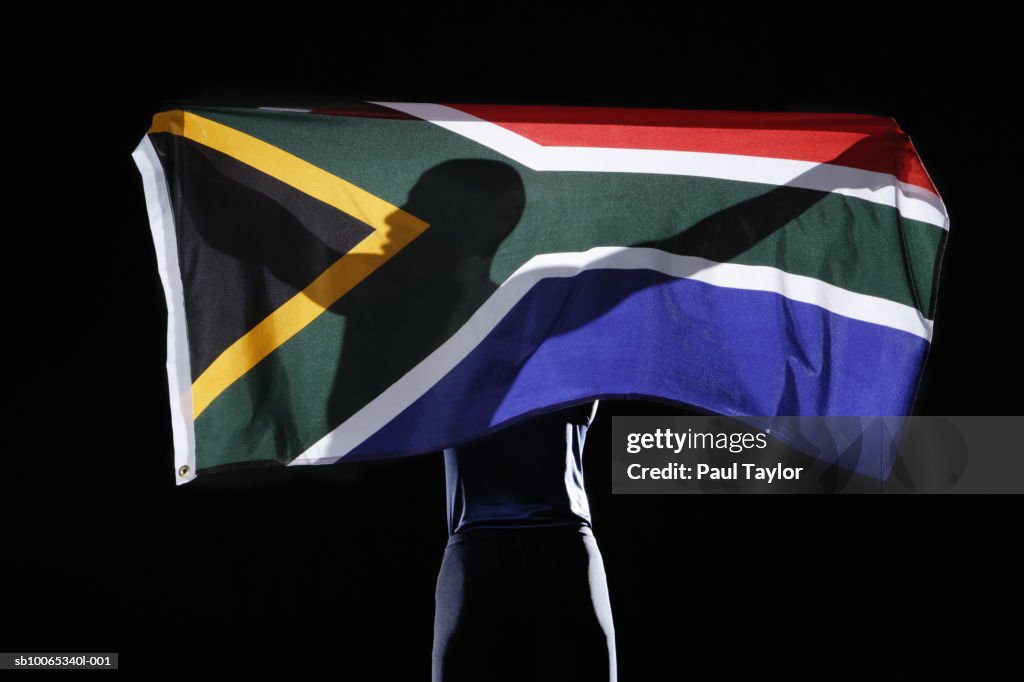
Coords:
pixel 386 279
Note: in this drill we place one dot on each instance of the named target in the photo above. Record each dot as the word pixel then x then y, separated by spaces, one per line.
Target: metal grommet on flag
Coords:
pixel 183 471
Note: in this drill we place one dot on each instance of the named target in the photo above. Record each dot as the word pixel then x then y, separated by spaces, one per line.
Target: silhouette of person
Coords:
pixel 518 493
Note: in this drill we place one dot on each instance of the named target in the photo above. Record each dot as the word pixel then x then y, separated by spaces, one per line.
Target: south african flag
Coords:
pixel 386 279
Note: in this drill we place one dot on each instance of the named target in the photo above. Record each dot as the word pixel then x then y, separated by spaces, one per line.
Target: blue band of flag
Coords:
pixel 718 349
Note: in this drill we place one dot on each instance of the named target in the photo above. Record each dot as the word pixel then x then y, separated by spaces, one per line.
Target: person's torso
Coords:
pixel 529 474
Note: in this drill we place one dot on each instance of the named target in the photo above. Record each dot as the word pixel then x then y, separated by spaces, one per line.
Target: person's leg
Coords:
pixel 572 633
pixel 479 624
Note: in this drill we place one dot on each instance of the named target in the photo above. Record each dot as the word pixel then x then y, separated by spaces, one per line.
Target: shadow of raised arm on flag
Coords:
pixel 727 234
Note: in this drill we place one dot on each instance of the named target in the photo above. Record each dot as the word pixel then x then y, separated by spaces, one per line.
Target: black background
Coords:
pixel 337 564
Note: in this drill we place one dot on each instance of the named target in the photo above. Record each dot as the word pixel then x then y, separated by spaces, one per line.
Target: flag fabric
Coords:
pixel 388 279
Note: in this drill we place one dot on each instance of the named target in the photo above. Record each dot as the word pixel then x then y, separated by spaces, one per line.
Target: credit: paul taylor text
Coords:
pixel 730 472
